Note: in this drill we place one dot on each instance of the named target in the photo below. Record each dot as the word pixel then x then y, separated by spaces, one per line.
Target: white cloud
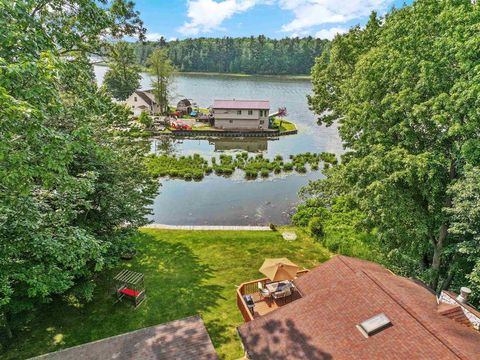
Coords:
pixel 330 33
pixel 153 36
pixel 208 15
pixel 310 13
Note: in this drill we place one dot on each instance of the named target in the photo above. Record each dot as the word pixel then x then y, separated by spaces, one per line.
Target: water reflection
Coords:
pixel 234 201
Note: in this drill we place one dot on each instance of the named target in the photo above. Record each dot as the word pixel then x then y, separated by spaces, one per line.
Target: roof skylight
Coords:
pixel 374 325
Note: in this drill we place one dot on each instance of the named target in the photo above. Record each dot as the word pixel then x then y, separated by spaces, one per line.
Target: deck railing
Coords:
pixel 251 287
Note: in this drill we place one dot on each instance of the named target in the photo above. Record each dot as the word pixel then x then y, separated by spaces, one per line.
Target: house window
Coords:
pixel 250 112
pixel 239 112
pixel 135 98
pixel 262 121
pixel 231 121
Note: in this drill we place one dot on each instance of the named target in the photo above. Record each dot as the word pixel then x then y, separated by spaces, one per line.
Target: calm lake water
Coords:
pixel 235 201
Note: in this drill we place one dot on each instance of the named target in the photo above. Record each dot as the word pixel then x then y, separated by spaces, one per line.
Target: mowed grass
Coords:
pixel 186 273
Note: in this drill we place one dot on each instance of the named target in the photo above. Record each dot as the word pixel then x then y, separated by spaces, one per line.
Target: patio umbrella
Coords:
pixel 279 269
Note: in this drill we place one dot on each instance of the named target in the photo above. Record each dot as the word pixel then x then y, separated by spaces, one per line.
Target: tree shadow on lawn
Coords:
pixel 176 284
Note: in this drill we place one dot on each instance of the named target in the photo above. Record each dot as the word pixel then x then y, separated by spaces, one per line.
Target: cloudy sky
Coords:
pixel 178 19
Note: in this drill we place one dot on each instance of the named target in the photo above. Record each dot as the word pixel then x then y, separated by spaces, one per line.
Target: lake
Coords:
pixel 234 201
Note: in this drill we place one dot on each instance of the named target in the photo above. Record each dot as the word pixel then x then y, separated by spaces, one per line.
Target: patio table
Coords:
pixel 278 286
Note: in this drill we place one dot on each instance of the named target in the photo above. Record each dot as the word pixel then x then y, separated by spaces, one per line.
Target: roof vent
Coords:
pixel 374 325
pixel 464 292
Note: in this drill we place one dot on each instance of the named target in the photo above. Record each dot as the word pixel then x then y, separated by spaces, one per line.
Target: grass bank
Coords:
pixel 186 273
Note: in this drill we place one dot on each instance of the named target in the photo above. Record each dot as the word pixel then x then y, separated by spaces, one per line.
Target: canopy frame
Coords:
pixel 130 284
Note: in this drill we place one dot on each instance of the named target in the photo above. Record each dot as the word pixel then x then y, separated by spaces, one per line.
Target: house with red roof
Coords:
pixel 348 308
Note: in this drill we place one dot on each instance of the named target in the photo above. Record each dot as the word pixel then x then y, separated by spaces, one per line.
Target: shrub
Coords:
pixel 315 167
pixel 264 172
pixel 197 175
pixel 208 170
pixel 288 167
pixel 278 158
pixel 188 176
pixel 251 174
pixel 145 120
pixel 273 227
pixel 301 169
pixel 315 226
pixel 227 171
pixel 277 170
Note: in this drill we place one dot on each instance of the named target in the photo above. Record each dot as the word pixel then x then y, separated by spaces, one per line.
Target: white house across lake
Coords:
pixel 142 100
pixel 241 114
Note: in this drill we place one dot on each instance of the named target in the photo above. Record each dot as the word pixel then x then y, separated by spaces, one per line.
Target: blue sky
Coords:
pixel 178 19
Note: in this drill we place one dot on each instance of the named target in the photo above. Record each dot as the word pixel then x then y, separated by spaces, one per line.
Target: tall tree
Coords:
pixel 123 76
pixel 70 191
pixel 252 55
pixel 161 69
pixel 405 96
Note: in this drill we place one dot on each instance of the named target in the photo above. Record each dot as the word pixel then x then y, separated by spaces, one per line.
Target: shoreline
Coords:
pixel 239 75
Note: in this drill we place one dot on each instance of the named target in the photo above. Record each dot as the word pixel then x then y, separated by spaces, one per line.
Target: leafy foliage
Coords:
pixel 248 55
pixel 146 120
pixel 405 95
pixel 123 76
pixel 161 69
pixel 70 192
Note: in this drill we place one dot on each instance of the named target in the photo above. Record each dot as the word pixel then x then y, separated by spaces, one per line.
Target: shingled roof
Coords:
pixel 344 292
pixel 146 96
pixel 242 104
pixel 184 339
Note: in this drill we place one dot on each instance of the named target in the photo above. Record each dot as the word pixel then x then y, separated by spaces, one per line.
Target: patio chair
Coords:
pixel 264 293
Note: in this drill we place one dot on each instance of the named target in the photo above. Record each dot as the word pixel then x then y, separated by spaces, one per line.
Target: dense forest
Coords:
pixel 404 92
pixel 247 55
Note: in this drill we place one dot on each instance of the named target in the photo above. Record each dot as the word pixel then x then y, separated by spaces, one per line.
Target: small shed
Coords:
pixel 184 106
pixel 130 284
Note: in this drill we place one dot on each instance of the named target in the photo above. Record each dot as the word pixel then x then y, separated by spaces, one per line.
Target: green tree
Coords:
pixel 161 69
pixel 123 76
pixel 70 191
pixel 145 120
pixel 403 95
pixel 252 55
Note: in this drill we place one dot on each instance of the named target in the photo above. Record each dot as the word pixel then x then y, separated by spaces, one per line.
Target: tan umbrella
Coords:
pixel 279 269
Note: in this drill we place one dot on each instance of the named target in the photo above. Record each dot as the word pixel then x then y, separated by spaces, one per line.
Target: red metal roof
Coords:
pixel 341 294
pixel 242 104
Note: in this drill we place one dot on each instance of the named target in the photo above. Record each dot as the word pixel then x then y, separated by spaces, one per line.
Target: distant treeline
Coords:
pixel 247 55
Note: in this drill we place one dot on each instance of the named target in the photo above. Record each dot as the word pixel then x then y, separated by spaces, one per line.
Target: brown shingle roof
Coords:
pixel 242 104
pixel 344 292
pixel 146 96
pixel 185 339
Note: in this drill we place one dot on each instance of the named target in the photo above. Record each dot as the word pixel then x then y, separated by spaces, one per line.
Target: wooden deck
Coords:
pixel 262 306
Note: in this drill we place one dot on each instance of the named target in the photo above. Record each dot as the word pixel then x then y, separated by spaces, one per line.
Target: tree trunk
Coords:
pixel 6 325
pixel 437 254
pixel 443 233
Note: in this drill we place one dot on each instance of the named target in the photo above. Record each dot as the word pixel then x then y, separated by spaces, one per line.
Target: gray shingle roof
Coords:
pixel 184 339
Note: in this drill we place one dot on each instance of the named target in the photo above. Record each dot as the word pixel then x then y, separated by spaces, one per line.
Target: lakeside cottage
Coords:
pixel 142 100
pixel 241 114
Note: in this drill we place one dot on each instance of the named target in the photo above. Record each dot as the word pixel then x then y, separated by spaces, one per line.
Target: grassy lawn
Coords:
pixel 284 125
pixel 186 272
